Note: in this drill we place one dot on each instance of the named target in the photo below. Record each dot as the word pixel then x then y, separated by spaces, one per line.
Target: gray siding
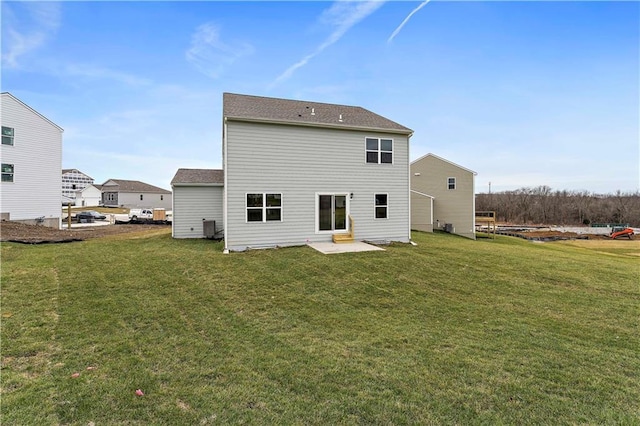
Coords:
pixel 37 158
pixel 149 200
pixel 192 205
pixel 421 212
pixel 454 206
pixel 300 162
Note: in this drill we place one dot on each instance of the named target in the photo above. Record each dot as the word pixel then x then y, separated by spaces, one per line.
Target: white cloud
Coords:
pixel 26 26
pixel 341 16
pixel 397 30
pixel 209 54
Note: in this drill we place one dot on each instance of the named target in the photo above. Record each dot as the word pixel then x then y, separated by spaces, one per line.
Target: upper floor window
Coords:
pixel 7 135
pixel 451 183
pixel 264 207
pixel 141 197
pixel 379 151
pixel 382 206
pixel 7 172
pixel 161 197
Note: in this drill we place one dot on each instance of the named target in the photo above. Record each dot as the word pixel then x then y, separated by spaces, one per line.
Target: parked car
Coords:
pixel 90 216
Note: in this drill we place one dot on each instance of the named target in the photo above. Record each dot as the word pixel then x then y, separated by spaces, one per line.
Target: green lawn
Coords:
pixel 452 331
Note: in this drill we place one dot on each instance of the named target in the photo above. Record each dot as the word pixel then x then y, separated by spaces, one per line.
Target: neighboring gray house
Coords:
pixel 295 171
pixel 134 194
pixel 442 193
pixel 31 153
pixel 197 201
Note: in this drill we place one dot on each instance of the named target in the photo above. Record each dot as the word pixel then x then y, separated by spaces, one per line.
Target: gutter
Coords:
pixel 407 132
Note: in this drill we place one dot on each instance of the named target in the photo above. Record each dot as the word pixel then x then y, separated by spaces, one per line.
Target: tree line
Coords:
pixel 542 205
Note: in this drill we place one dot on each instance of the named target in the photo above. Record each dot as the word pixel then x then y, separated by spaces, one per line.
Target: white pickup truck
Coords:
pixel 140 215
pixel 150 216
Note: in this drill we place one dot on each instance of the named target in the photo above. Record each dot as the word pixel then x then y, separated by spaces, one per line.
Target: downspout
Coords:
pixel 431 213
pixel 224 187
pixel 473 204
pixel 409 186
pixel 173 209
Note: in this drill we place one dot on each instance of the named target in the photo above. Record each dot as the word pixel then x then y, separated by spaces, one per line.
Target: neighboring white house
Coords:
pixel 89 196
pixel 31 153
pixel 442 196
pixel 73 180
pixel 197 203
pixel 134 194
pixel 295 171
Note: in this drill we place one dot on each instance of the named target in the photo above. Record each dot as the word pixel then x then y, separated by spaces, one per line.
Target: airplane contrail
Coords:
pixel 397 30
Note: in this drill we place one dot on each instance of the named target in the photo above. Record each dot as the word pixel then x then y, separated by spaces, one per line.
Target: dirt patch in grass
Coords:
pixel 35 234
pixel 548 235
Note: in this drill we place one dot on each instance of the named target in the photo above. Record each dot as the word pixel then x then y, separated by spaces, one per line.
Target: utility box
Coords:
pixel 448 227
pixel 209 228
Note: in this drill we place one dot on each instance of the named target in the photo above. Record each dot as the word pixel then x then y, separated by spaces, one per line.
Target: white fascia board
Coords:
pixel 320 125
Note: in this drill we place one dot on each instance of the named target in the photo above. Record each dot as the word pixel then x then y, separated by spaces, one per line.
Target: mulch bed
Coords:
pixel 37 234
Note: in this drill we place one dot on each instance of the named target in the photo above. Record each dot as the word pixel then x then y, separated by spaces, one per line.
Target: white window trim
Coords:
pixel 13 136
pixel 376 206
pixel 380 151
pixel 455 184
pixel 317 214
pixel 264 207
pixel 13 173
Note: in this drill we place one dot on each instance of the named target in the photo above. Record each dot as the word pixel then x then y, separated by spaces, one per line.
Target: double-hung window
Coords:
pixel 451 183
pixel 264 207
pixel 379 150
pixel 7 172
pixel 7 135
pixel 382 206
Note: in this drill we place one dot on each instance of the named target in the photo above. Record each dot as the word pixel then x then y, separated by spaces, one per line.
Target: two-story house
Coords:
pixel 31 154
pixel 442 196
pixel 297 172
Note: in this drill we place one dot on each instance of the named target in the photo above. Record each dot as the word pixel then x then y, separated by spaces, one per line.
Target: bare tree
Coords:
pixel 545 206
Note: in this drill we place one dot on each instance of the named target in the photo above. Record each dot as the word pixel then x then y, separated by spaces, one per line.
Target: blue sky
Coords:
pixel 523 93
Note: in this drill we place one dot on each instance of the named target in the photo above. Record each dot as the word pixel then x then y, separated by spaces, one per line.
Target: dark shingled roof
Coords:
pixel 133 186
pixel 306 113
pixel 198 176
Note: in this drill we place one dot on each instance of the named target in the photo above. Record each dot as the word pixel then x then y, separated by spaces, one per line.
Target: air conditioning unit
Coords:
pixel 209 228
pixel 448 227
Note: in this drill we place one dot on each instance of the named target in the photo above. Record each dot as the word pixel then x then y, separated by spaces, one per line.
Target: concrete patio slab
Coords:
pixel 333 248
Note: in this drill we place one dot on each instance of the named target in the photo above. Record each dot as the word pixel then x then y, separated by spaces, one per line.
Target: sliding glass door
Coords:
pixel 332 212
